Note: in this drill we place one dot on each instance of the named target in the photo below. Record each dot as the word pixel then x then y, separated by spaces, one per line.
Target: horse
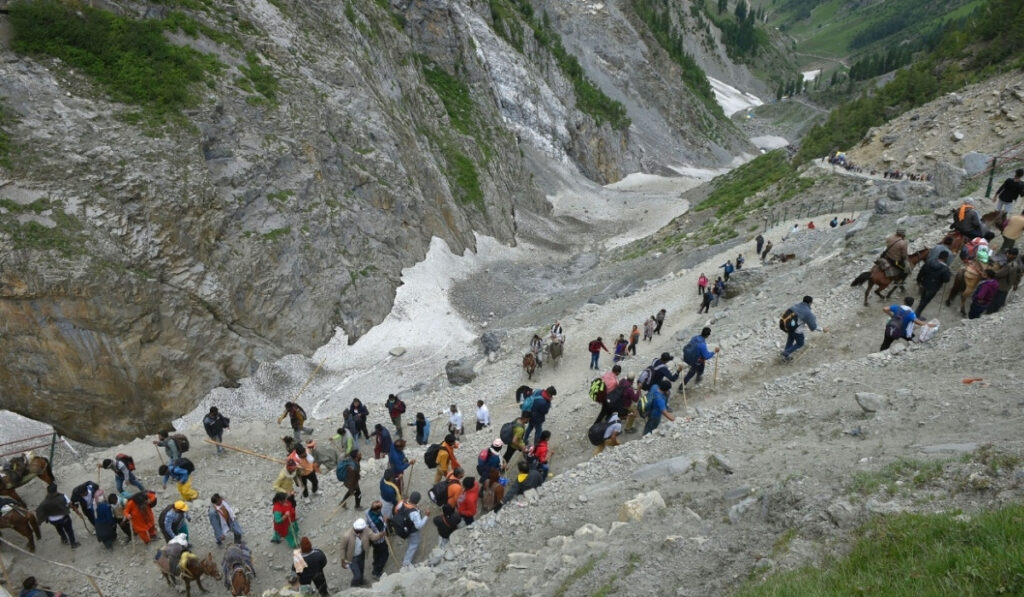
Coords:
pixel 529 364
pixel 20 470
pixel 238 569
pixel 554 352
pixel 876 277
pixel 192 569
pixel 966 280
pixel 21 520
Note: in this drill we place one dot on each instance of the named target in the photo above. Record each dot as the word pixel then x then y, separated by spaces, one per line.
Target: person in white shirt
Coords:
pixel 455 421
pixel 483 416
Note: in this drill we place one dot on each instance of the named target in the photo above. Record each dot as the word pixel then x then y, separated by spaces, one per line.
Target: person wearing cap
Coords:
pixel 310 564
pixel 657 405
pixel 285 525
pixel 489 459
pixel 896 252
pixel 175 521
pixel 419 520
pixel 376 525
pixel 661 369
pixel 539 411
pixel 967 221
pixel 446 461
pixel 215 424
pixel 56 510
pixel 355 544
pixel 795 337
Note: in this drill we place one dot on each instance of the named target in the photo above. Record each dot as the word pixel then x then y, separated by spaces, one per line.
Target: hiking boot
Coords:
pixel 698 380
pixel 787 358
pixel 75 544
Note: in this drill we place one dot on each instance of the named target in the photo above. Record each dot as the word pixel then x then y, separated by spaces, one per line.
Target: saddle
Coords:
pixel 7 504
pixel 237 556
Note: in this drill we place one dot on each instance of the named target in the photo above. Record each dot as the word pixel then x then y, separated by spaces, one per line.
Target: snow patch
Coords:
pixel 810 75
pixel 769 142
pixel 731 99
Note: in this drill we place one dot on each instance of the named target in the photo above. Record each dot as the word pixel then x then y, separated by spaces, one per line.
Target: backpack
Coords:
pixel 691 353
pixel 985 292
pixel 594 346
pixel 430 456
pixel 527 405
pixel 644 379
pixel 403 522
pixel 185 463
pixel 788 321
pixel 400 407
pixel 597 390
pixel 181 441
pixel 643 405
pixel 896 326
pixel 596 433
pixel 127 460
pixel 341 471
pixel 439 492
pixel 614 398
pixel 508 432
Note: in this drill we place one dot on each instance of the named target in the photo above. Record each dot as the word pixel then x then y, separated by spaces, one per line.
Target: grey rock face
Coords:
pixel 490 341
pixel 870 402
pixel 263 226
pixel 898 191
pixel 948 179
pixel 976 162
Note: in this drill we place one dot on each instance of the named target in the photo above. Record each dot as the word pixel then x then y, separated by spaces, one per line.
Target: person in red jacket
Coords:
pixel 595 347
pixel 468 502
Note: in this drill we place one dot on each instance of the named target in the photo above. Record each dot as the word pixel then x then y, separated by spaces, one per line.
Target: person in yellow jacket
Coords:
pixel 446 461
pixel 285 481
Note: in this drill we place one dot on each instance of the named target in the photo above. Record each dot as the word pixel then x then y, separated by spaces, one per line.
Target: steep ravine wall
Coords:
pixel 141 267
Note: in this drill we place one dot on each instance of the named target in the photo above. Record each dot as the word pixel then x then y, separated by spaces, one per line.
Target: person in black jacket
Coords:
pixel 358 411
pixel 527 479
pixel 316 562
pixel 215 423
pixel 446 522
pixel 55 509
pixel 933 275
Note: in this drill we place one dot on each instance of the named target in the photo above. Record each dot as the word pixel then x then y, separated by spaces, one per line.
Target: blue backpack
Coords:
pixel 691 353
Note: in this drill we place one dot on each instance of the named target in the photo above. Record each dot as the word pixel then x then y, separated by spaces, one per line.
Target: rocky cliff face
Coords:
pixel 142 267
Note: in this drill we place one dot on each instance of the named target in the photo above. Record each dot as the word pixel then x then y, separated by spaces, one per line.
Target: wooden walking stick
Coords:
pixel 408 479
pixel 336 510
pixel 159 453
pixel 715 381
pixel 244 451
pixel 88 528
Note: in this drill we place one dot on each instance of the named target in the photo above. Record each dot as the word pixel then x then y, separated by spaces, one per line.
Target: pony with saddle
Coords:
pixel 174 560
pixel 21 469
pixel 553 352
pixel 21 520
pixel 529 364
pixel 882 274
pixel 238 569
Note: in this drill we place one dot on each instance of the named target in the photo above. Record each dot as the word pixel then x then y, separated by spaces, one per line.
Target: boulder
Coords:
pixel 737 512
pixel 635 509
pixel 397 351
pixel 490 341
pixel 976 162
pixel 460 372
pixel 664 468
pixel 887 206
pixel 948 179
pixel 744 281
pixel 899 191
pixel 956 136
pixel 869 401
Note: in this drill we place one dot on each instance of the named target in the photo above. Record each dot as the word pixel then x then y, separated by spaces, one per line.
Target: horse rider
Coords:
pixel 537 348
pixel 967 221
pixel 896 252
pixel 557 335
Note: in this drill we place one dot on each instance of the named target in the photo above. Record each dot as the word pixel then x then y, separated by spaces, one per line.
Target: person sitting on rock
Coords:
pixel 526 479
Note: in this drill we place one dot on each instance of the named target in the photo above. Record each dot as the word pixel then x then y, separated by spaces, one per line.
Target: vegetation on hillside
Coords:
pixel 732 190
pixel 509 18
pixel 655 14
pixel 5 138
pixel 918 554
pixel 962 55
pixel 130 59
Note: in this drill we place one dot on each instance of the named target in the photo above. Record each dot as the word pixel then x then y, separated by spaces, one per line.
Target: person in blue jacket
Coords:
pixel 538 412
pixel 657 406
pixel 703 355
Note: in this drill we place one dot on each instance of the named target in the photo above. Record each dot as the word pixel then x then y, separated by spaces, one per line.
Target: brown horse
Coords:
pixel 876 277
pixel 529 364
pixel 966 280
pixel 20 470
pixel 192 571
pixel 21 520
pixel 238 569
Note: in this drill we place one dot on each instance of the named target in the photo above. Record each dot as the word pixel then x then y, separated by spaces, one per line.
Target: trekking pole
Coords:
pixel 336 510
pixel 391 549
pixel 408 480
pixel 715 380
pixel 84 521
pixel 311 376
pixel 158 453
